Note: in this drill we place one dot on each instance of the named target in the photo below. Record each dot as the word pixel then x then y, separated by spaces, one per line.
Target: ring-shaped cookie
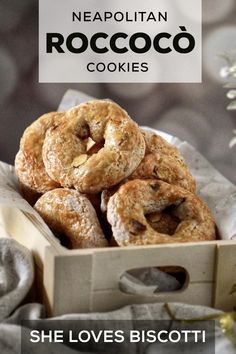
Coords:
pixel 129 209
pixel 96 147
pixel 29 164
pixel 70 213
pixel 163 161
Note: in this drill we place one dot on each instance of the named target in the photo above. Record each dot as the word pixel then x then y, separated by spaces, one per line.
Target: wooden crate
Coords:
pixel 87 280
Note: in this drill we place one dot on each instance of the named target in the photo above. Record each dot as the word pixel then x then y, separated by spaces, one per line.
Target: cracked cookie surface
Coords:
pixel 95 147
pixel 29 164
pixel 163 161
pixel 183 217
pixel 70 213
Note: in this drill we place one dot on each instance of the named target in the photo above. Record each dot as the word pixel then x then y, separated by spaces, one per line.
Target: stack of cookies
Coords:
pixel 97 179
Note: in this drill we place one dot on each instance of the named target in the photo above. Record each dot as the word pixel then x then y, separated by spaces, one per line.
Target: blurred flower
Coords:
pixel 224 72
pixel 229 72
pixel 233 140
pixel 231 94
pixel 230 69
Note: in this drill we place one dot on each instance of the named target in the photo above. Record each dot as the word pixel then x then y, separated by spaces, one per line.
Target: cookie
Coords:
pixel 70 213
pixel 96 147
pixel 186 217
pixel 29 164
pixel 163 161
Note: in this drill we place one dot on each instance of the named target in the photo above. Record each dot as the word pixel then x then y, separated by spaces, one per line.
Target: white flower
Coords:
pixel 232 70
pixel 231 94
pixel 233 141
pixel 225 72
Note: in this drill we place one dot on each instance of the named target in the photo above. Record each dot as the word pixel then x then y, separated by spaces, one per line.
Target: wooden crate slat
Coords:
pixel 197 259
pixel 68 282
pixel 225 287
pixel 87 280
pixel 195 294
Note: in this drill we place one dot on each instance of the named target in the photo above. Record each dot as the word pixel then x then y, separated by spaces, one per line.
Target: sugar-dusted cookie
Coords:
pixel 70 213
pixel 185 218
pixel 96 147
pixel 29 164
